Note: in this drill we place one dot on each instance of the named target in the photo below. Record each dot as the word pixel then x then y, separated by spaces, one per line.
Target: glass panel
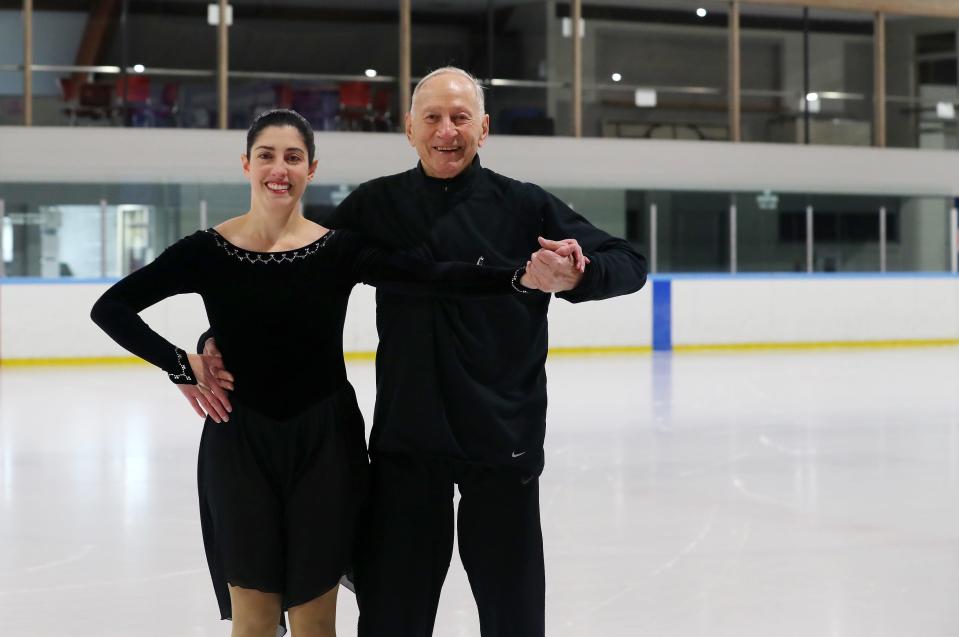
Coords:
pixel 90 230
pixel 771 232
pixel 770 45
pixel 85 34
pixel 34 228
pixel 922 241
pixel 162 82
pixel 921 82
pixel 321 200
pixel 177 87
pixel 773 76
pixel 845 231
pixel 11 98
pixel 11 58
pixel 515 47
pixel 841 77
pixel 692 230
pixel 292 56
pixel 352 104
pixel 528 59
pixel 446 34
pixel 60 230
pixel 618 212
pixel 654 72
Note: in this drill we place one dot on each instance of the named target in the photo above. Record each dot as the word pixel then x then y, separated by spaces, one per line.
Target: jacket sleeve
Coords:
pixel 348 215
pixel 615 268
pixel 116 312
pixel 415 273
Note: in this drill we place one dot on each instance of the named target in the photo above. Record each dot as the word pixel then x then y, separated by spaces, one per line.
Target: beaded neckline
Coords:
pixel 286 256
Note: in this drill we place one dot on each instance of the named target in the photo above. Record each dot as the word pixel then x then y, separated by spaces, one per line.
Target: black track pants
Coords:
pixel 406 543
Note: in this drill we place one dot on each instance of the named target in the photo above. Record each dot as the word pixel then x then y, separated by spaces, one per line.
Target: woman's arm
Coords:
pixel 417 274
pixel 117 311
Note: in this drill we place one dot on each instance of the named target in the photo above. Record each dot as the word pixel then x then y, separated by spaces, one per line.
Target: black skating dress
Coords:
pixel 281 483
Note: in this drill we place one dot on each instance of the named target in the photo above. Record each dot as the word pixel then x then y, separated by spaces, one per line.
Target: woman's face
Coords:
pixel 278 167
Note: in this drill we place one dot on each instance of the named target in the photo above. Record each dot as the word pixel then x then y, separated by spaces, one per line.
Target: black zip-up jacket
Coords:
pixel 465 378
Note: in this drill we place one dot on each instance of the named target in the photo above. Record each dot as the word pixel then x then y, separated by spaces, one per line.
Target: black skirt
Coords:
pixel 279 500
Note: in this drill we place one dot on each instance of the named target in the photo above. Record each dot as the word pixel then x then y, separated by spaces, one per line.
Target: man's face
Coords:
pixel 446 126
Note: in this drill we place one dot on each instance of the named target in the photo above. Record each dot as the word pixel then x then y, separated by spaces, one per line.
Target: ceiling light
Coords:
pixel 616 77
pixel 370 72
pixel 701 12
pixel 139 68
pixel 812 97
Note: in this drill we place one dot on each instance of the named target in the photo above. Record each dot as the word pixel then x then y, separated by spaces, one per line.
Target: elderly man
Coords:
pixel 461 384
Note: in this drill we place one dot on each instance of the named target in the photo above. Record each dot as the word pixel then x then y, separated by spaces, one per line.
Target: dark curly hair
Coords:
pixel 282 117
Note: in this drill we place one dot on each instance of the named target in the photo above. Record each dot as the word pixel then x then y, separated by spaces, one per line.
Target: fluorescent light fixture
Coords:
pixel 701 12
pixel 811 105
pixel 139 68
pixel 568 27
pixel 616 77
pixel 213 14
pixel 946 110
pixel 370 72
pixel 645 98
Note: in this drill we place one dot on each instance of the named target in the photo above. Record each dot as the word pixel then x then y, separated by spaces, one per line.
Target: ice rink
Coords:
pixel 787 494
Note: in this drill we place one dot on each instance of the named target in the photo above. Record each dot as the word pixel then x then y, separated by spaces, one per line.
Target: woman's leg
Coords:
pixel 315 618
pixel 255 613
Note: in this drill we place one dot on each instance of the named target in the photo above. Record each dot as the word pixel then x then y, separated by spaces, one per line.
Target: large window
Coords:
pixel 515 47
pixel 335 62
pixel 655 70
pixel 11 59
pixel 97 230
pixel 649 68
pixel 922 82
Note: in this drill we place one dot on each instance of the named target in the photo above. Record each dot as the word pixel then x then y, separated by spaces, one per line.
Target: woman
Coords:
pixel 282 478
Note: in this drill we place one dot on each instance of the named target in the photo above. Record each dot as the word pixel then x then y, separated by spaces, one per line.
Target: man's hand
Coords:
pixel 557 267
pixel 566 248
pixel 208 396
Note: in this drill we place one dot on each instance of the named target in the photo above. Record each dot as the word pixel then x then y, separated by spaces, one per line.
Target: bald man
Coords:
pixel 461 385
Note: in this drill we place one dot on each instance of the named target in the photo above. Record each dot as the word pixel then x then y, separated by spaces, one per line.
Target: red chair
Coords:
pixel 168 113
pixel 137 89
pixel 382 110
pixel 283 95
pixel 356 108
pixel 68 89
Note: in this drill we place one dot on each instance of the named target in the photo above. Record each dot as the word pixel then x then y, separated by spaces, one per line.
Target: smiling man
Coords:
pixel 461 384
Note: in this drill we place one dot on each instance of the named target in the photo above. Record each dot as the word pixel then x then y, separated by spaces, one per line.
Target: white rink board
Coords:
pixel 818 309
pixel 52 320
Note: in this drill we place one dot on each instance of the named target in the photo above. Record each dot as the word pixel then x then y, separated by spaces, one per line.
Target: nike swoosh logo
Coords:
pixel 517 455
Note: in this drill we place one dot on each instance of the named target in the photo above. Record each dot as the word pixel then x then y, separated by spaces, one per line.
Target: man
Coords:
pixel 461 384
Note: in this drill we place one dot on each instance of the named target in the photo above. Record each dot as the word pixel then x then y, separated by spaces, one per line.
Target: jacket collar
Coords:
pixel 456 184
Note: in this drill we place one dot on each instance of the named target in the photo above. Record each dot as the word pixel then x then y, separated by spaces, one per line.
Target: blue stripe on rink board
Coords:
pixel 662 315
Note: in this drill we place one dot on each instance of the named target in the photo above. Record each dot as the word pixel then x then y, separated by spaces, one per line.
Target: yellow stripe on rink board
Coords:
pixel 350 356
pixel 70 362
pixel 121 360
pixel 554 351
pixel 743 347
pixel 600 351
pixel 359 356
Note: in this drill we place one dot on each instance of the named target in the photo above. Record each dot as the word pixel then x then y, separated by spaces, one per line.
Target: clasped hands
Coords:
pixel 556 267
